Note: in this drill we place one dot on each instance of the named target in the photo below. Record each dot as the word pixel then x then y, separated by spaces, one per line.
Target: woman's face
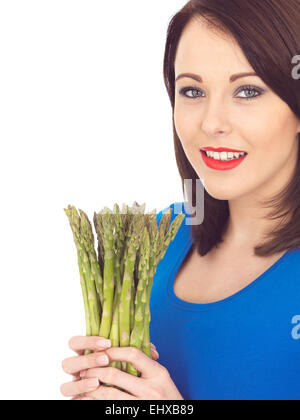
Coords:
pixel 215 112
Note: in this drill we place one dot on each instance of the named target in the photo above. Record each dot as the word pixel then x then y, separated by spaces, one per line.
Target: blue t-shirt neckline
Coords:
pixel 190 306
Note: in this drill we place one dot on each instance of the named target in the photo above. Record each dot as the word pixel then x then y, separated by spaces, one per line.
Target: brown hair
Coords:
pixel 268 32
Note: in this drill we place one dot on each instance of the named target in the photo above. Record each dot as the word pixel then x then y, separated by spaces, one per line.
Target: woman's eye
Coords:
pixel 184 92
pixel 250 92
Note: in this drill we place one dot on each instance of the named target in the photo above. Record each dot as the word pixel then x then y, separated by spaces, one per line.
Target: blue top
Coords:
pixel 244 347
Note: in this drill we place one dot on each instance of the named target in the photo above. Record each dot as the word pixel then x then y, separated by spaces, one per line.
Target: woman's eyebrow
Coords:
pixel 232 78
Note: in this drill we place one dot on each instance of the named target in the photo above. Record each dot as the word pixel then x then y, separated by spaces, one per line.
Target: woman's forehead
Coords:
pixel 200 50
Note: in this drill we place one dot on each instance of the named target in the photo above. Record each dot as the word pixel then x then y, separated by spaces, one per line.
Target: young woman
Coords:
pixel 225 303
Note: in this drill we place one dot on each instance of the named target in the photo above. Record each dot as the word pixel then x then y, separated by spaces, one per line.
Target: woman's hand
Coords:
pixel 155 382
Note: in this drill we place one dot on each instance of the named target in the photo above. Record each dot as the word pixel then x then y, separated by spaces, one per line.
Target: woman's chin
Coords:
pixel 224 193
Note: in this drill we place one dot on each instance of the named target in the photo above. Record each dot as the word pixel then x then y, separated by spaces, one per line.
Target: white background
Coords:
pixel 85 119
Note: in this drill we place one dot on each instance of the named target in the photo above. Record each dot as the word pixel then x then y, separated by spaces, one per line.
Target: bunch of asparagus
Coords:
pixel 116 281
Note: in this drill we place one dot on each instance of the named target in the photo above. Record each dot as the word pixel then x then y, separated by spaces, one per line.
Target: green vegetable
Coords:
pixel 116 281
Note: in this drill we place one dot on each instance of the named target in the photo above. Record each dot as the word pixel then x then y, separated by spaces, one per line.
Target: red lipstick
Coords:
pixel 221 165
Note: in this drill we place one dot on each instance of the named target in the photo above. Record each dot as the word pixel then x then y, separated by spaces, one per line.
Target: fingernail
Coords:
pixel 104 343
pixel 156 353
pixel 102 360
pixel 93 382
pixel 82 374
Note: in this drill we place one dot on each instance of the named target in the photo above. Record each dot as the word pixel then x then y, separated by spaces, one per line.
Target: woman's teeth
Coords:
pixel 225 155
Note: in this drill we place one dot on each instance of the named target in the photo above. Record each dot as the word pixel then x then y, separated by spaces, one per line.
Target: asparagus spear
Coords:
pixel 136 209
pixel 90 280
pixel 100 249
pixel 74 220
pixel 107 221
pixel 137 333
pixel 120 237
pixel 114 332
pixel 125 220
pixel 121 252
pixel 132 306
pixel 87 285
pixel 133 242
pixel 89 243
pixel 134 287
pixel 155 234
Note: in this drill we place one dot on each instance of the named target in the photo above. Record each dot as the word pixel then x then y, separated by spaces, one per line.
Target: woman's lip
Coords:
pixel 221 165
pixel 220 149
